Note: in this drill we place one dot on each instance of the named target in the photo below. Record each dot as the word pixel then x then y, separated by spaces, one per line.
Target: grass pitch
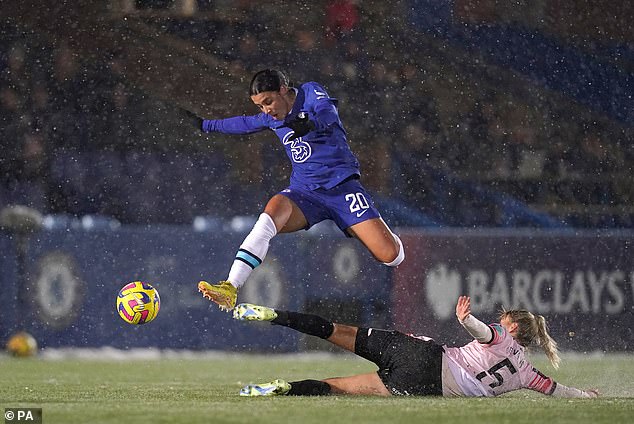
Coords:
pixel 203 389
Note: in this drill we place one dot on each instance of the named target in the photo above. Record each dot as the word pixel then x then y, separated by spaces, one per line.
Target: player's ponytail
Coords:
pixel 546 342
pixel 532 329
pixel 267 80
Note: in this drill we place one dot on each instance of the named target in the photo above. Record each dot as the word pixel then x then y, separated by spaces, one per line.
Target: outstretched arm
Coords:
pixel 479 330
pixel 234 125
pixel 572 392
pixel 546 385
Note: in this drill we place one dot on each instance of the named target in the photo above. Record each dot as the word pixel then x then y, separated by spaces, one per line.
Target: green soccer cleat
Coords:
pixel 251 312
pixel 224 294
pixel 274 388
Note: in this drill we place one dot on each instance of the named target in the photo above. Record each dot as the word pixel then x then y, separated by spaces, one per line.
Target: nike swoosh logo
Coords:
pixel 361 213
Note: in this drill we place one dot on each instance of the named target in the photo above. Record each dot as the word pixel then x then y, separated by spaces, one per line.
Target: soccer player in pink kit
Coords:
pixel 492 364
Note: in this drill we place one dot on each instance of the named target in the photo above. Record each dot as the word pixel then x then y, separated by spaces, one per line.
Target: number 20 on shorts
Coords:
pixel 358 203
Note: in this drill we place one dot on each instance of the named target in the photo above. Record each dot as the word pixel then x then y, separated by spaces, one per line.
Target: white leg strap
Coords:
pixel 401 253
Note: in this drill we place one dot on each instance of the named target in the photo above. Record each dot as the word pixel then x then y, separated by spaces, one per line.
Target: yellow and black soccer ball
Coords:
pixel 22 345
pixel 138 303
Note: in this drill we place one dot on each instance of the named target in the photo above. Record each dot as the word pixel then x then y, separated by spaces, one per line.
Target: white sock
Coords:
pixel 252 250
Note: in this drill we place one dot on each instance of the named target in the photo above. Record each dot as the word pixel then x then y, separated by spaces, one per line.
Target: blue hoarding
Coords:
pixel 583 284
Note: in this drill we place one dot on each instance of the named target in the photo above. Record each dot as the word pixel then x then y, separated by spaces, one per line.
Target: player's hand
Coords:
pixel 593 393
pixel 463 308
pixel 195 120
pixel 301 125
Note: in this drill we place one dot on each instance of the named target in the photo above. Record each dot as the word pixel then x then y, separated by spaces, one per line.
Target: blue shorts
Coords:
pixel 346 204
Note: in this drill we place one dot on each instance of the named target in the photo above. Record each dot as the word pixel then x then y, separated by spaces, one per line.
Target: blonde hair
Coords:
pixel 532 330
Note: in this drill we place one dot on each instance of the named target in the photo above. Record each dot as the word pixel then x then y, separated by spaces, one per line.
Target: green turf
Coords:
pixel 205 391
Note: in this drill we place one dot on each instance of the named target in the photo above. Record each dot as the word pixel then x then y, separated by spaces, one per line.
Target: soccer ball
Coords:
pixel 22 344
pixel 138 303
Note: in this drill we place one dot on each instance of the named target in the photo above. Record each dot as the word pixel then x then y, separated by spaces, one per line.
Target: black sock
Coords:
pixel 309 388
pixel 306 323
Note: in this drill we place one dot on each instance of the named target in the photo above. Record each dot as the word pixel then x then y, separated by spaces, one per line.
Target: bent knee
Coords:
pixel 395 256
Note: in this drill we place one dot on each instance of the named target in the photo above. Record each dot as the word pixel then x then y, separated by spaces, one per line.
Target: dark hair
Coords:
pixel 267 80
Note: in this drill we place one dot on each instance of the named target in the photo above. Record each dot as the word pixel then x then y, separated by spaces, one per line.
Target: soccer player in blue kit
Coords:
pixel 324 180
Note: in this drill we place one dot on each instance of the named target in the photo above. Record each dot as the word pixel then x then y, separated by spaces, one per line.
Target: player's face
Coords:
pixel 274 103
pixel 509 325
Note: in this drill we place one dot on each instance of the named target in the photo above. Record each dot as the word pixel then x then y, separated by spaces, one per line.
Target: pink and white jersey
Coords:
pixel 495 368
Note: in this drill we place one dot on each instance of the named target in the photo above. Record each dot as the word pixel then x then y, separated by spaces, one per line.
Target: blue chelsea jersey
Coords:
pixel 322 158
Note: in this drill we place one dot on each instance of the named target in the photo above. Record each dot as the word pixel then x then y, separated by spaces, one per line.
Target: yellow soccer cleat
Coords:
pixel 224 294
pixel 274 388
pixel 251 312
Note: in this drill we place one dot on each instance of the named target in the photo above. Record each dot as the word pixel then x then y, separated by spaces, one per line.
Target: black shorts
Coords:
pixel 407 366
